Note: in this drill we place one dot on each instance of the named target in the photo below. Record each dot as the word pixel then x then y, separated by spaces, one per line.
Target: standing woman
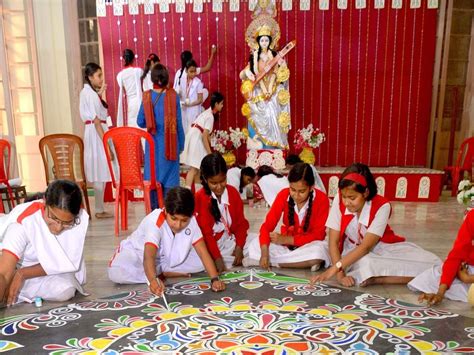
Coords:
pixel 160 114
pixel 93 111
pixel 198 140
pixel 130 94
pixel 192 96
pixel 146 76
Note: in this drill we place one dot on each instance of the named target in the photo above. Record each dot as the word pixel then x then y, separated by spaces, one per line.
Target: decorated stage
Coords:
pixel 260 313
pixel 395 183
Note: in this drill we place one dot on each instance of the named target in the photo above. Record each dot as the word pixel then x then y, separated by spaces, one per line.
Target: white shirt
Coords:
pixel 226 219
pixel 90 105
pixel 359 223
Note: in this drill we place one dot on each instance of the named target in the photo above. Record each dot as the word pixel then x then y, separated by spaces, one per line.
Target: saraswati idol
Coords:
pixel 265 82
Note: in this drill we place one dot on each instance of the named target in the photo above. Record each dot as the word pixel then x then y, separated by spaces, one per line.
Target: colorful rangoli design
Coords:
pixel 260 313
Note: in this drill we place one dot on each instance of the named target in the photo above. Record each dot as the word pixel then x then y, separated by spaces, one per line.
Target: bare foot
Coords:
pixel 103 215
pixel 368 282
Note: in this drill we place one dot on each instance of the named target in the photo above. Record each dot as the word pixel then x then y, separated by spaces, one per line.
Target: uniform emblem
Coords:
pixel 187 231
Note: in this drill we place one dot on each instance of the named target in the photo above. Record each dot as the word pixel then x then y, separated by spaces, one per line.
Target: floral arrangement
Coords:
pixel 308 137
pixel 223 141
pixel 465 192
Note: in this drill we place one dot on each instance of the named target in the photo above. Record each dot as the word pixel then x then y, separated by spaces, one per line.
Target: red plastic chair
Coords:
pixel 5 170
pixel 463 164
pixel 127 145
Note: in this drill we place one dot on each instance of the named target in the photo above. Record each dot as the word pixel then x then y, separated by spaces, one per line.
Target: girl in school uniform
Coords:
pixel 180 78
pixel 197 143
pixel 454 278
pixel 240 179
pixel 292 159
pixel 364 249
pixel 300 243
pixel 270 183
pixel 130 94
pixel 191 96
pixel 42 253
pixel 147 84
pixel 220 214
pixel 93 111
pixel 168 241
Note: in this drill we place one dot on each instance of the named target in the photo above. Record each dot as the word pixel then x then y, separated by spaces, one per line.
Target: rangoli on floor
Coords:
pixel 261 312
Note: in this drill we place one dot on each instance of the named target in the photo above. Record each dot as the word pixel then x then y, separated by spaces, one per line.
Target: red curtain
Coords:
pixel 363 76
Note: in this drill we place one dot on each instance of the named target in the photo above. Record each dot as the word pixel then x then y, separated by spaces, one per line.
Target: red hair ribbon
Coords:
pixel 356 177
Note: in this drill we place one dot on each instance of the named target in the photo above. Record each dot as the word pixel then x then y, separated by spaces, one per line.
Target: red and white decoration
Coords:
pixel 361 71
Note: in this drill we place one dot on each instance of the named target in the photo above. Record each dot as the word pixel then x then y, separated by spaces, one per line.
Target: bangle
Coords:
pixel 216 278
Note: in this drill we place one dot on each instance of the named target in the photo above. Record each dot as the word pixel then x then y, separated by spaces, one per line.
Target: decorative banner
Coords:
pixel 198 6
pixel 149 7
pixel 415 4
pixel 305 5
pixel 164 6
pixel 234 5
pixel 324 4
pixel 433 4
pixel 133 7
pixel 368 90
pixel 361 4
pixel 287 5
pixel 100 8
pixel 118 8
pixel 180 6
pixel 217 5
pixel 379 4
pixel 397 4
pixel 342 4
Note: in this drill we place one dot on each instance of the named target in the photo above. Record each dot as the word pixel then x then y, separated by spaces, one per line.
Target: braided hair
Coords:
pixel 212 165
pixel 89 70
pixel 301 171
pixel 152 58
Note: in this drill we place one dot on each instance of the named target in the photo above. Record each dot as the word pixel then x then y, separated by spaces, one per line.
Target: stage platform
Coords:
pixel 395 183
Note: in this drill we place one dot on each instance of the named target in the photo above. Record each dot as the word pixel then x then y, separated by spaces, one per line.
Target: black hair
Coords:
pixel 128 56
pixel 89 70
pixel 212 165
pixel 160 75
pixel 363 170
pixel 260 51
pixel 264 170
pixel 216 97
pixel 301 171
pixel 151 58
pixel 292 159
pixel 186 56
pixel 247 171
pixel 180 200
pixel 65 195
pixel 191 63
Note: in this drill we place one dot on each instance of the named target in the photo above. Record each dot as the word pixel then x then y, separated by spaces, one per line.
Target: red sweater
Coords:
pixel 205 219
pixel 316 229
pixel 378 201
pixel 462 251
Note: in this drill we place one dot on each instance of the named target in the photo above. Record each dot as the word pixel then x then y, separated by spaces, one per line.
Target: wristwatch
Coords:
pixel 339 265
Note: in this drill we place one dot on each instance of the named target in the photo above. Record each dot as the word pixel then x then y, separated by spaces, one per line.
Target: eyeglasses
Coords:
pixel 66 225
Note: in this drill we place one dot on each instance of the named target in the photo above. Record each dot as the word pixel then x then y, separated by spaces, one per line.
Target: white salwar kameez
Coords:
pixel 233 179
pixel 175 252
pixel 271 185
pixel 385 259
pixel 147 83
pixel 130 85
pixel 428 282
pixel 194 150
pixel 95 161
pixel 61 256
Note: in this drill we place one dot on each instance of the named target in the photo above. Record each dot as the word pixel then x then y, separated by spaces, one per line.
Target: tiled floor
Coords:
pixel 431 225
